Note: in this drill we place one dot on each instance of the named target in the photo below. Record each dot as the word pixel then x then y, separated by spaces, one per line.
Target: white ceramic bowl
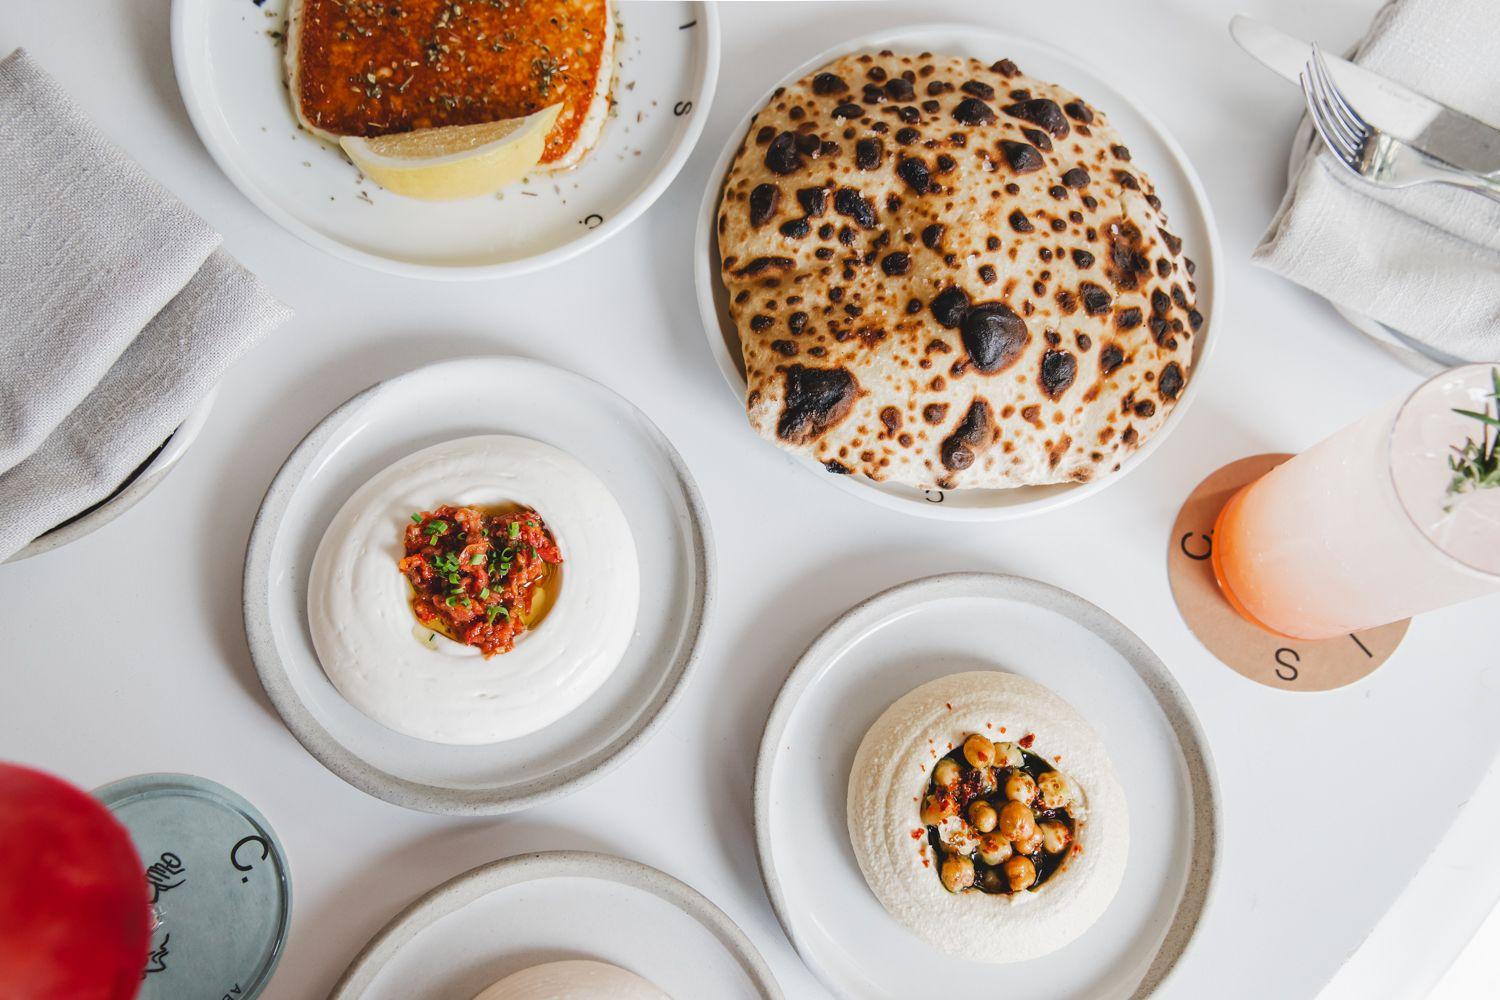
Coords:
pixel 1151 146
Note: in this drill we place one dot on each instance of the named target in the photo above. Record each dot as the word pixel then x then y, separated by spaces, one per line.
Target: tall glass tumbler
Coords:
pixel 1396 514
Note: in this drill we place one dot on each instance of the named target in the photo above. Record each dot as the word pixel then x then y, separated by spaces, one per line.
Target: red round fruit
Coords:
pixel 75 923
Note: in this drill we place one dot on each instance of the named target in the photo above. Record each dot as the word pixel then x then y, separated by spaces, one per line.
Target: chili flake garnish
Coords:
pixel 474 575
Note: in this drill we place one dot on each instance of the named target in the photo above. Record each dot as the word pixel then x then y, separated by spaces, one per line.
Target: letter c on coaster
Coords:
pixel 1273 660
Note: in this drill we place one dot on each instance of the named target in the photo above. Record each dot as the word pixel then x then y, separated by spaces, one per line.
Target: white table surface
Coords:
pixel 150 672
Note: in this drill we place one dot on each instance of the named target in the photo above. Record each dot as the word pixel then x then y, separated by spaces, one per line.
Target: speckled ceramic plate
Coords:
pixel 942 625
pixel 396 418
pixel 505 916
pixel 1152 147
pixel 228 60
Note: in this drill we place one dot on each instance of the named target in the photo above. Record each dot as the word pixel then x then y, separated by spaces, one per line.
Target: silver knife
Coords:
pixel 1436 129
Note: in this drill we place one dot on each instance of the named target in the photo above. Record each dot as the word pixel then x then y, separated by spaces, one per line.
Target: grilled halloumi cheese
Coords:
pixel 374 67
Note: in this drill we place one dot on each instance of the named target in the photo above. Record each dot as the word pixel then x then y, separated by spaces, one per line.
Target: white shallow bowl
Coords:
pixel 395 418
pixel 131 492
pixel 232 80
pixel 512 914
pixel 943 625
pixel 1151 147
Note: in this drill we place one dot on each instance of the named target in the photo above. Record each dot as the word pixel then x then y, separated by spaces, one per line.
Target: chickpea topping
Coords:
pixel 1020 787
pixel 994 849
pixel 1007 754
pixel 1019 871
pixel 1055 837
pixel 1029 845
pixel 946 773
pixel 1055 790
pixel 983 815
pixel 935 809
pixel 958 873
pixel 1016 821
pixel 999 827
pixel 978 751
pixel 957 836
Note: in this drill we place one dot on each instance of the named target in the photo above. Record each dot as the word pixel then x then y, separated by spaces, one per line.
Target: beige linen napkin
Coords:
pixel 120 312
pixel 1424 260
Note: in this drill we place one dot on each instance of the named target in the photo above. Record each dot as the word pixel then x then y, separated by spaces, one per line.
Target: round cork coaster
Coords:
pixel 1273 660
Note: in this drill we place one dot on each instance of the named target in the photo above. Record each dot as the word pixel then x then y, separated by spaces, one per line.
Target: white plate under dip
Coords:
pixel 941 625
pixel 511 914
pixel 1151 147
pixel 395 418
pixel 230 70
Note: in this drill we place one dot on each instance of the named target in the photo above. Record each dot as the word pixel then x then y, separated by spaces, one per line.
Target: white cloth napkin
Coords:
pixel 119 311
pixel 1424 260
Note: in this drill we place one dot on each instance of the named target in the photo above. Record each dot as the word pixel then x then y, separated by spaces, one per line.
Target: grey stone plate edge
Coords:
pixel 1192 743
pixel 353 769
pixel 477 882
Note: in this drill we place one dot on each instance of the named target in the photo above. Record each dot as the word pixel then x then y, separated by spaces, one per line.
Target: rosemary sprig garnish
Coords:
pixel 1476 464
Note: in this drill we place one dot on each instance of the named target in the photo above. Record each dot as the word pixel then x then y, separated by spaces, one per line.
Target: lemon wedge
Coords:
pixel 454 161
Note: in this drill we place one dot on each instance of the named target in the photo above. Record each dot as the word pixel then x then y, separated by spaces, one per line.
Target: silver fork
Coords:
pixel 1366 150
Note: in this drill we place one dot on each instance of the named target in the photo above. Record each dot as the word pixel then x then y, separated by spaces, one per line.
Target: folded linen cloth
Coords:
pixel 120 311
pixel 1425 260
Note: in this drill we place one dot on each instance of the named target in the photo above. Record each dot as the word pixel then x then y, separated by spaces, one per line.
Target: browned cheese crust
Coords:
pixel 947 274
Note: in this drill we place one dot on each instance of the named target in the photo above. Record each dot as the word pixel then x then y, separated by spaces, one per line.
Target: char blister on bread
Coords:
pixel 948 274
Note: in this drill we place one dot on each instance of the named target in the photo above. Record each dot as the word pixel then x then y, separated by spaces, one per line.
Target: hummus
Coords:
pixel 893 771
pixel 577 979
pixel 417 681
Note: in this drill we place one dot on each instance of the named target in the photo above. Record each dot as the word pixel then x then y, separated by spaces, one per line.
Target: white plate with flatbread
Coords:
pixel 1154 151
pixel 229 60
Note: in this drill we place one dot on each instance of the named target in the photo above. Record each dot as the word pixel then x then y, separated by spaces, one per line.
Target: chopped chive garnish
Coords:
pixel 476 559
pixel 451 601
pixel 416 519
pixel 484 593
pixel 515 529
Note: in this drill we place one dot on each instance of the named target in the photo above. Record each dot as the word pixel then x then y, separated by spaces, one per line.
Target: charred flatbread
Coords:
pixel 951 274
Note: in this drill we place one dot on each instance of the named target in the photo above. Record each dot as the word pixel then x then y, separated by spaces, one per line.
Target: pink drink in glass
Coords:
pixel 1362 529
